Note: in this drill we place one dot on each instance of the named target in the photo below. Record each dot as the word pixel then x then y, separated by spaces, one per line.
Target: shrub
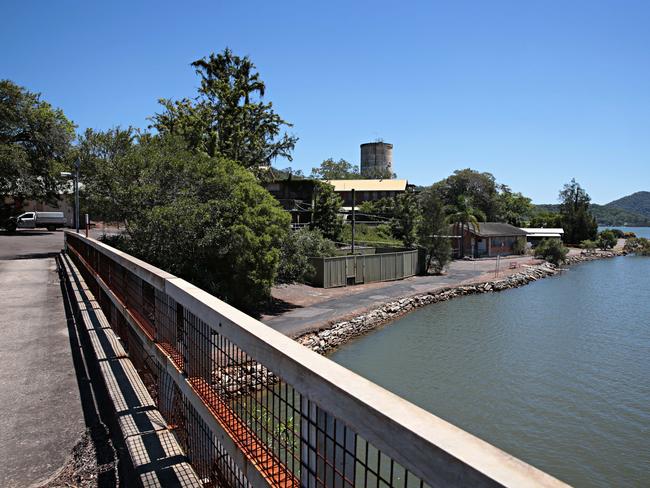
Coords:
pixel 297 248
pixel 607 239
pixel 638 245
pixel 519 246
pixel 588 245
pixel 552 250
pixel 628 235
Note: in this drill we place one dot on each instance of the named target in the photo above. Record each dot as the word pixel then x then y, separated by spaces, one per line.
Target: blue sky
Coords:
pixel 535 92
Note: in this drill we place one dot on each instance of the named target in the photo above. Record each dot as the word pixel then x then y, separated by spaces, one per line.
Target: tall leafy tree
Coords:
pixel 228 117
pixel 335 170
pixel 35 142
pixel 480 188
pixel 546 219
pixel 578 222
pixel 514 208
pixel 327 205
pixel 108 173
pixel 406 216
pixel 463 215
pixel 205 219
pixel 432 232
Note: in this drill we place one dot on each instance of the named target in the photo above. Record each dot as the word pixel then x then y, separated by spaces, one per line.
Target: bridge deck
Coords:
pixel 155 453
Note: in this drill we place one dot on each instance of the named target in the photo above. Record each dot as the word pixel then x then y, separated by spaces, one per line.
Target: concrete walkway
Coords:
pixel 316 307
pixel 41 415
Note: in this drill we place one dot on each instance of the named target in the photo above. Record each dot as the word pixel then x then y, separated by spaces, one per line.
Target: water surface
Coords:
pixel 556 373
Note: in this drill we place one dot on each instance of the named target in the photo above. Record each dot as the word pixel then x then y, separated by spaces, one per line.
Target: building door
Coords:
pixel 481 248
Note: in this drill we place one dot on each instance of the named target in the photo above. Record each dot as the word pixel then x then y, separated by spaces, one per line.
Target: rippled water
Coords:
pixel 556 373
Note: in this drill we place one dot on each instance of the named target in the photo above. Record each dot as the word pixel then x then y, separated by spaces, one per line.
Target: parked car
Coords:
pixel 33 220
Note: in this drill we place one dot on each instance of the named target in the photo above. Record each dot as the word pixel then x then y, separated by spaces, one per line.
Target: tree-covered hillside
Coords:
pixel 605 215
pixel 638 203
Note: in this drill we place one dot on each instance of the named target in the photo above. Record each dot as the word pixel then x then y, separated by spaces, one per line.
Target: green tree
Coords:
pixel 546 219
pixel 514 208
pixel 578 222
pixel 327 205
pixel 432 233
pixel 382 210
pixel 297 248
pixel 108 171
pixel 607 240
pixel 552 251
pixel 335 170
pixel 35 143
pixel 228 117
pixel 406 215
pixel 479 188
pixel 377 174
pixel 204 219
pixel 463 214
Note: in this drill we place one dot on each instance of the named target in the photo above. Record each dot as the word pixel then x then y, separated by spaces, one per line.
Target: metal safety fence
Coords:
pixel 251 407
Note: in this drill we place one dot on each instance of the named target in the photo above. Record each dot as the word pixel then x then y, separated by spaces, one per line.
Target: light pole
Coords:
pixel 67 174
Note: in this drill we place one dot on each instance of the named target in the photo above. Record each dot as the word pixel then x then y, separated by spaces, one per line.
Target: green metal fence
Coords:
pixel 336 271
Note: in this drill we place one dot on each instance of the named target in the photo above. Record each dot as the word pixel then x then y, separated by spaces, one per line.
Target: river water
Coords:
pixel 556 373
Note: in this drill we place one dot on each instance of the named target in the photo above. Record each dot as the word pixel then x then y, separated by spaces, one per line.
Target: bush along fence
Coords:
pixel 252 407
pixel 330 272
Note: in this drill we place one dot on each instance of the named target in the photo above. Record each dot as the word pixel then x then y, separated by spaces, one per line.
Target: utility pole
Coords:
pixel 353 218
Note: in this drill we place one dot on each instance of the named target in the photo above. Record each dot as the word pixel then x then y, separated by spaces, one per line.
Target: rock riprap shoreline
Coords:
pixel 338 333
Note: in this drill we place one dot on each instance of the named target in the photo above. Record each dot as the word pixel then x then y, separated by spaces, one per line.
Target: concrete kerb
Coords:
pixel 428 446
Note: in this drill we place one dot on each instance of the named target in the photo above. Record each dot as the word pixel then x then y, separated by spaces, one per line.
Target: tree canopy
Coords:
pixel 326 212
pixel 479 188
pixel 228 117
pixel 433 230
pixel 335 170
pixel 35 142
pixel 514 208
pixel 578 222
pixel 203 218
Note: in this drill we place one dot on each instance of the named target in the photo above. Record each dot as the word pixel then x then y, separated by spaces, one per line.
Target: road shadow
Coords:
pixel 23 233
pixel 275 307
pixel 37 255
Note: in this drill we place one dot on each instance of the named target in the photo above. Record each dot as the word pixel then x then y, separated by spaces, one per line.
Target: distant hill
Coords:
pixel 607 215
pixel 638 203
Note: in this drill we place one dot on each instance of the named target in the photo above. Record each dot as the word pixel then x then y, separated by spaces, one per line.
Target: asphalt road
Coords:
pixel 28 243
pixel 314 308
pixel 42 416
pixel 302 320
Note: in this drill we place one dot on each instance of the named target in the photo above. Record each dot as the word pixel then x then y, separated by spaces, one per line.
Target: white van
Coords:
pixel 32 220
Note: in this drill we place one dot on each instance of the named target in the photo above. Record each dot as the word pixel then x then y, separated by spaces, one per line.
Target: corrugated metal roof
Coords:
pixel 538 231
pixel 369 185
pixel 496 229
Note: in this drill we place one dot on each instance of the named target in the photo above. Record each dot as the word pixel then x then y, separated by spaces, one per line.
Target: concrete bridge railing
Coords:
pixel 251 407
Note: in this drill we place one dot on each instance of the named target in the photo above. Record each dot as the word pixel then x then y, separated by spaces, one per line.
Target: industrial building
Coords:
pixel 368 190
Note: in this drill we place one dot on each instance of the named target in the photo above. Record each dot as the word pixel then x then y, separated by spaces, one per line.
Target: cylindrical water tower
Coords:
pixel 377 159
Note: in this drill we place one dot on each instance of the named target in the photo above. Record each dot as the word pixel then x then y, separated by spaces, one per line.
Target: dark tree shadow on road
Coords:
pixel 274 307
